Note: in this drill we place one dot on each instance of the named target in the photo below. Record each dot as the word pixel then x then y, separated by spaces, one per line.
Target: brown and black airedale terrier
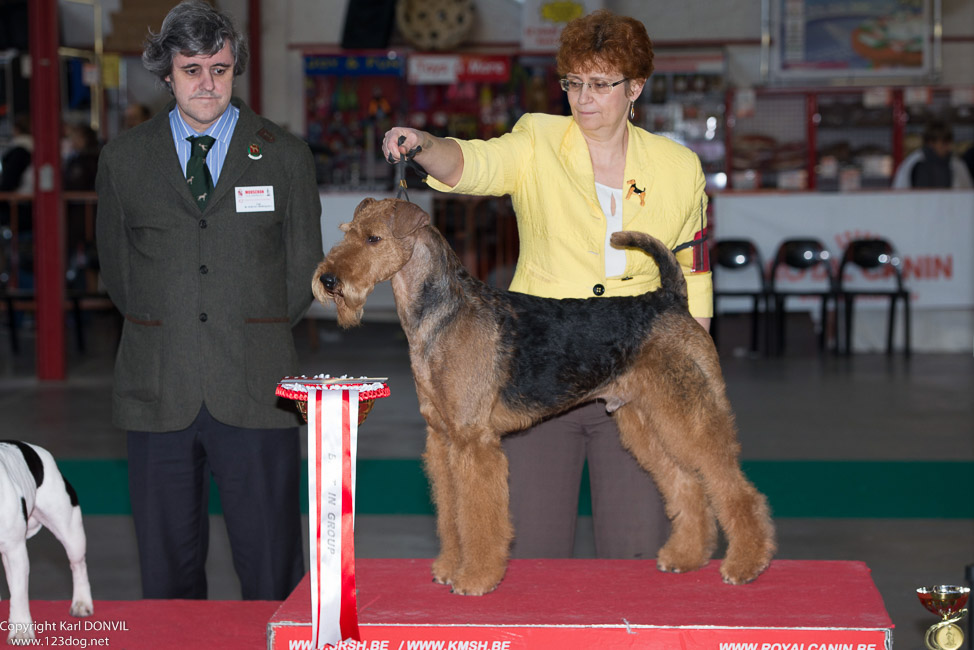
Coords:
pixel 488 362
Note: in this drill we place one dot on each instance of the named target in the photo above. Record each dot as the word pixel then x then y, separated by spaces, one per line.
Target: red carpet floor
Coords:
pixel 153 624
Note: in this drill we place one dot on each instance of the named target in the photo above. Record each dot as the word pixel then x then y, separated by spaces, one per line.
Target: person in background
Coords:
pixel 210 282
pixel 934 164
pixel 80 158
pixel 968 159
pixel 135 114
pixel 80 166
pixel 17 176
pixel 574 180
pixel 16 173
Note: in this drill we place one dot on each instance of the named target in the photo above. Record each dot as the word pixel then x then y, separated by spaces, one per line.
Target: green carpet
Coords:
pixel 805 488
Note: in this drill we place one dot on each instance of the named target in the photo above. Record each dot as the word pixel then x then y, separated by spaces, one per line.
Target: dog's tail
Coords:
pixel 670 273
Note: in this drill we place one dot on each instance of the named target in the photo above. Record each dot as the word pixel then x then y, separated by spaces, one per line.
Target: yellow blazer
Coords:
pixel 544 164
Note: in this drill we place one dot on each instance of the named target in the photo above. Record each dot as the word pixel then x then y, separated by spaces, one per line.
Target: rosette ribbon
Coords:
pixel 332 443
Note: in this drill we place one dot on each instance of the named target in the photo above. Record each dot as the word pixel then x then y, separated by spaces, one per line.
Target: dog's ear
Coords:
pixel 365 203
pixel 361 206
pixel 407 218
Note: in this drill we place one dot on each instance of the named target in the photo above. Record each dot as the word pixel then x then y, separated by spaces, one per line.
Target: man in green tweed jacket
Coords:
pixel 207 247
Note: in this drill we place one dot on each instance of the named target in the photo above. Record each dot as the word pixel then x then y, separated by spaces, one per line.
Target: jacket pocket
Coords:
pixel 270 356
pixel 138 365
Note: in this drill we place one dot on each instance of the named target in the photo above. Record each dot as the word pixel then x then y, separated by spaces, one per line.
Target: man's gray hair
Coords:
pixel 193 28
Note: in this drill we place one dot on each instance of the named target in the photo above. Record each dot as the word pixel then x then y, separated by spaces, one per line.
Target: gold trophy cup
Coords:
pixel 947 601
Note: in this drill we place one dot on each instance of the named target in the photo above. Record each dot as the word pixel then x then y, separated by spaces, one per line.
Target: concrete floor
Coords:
pixel 798 407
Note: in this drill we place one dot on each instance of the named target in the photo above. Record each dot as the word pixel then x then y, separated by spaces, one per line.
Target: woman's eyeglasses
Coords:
pixel 599 87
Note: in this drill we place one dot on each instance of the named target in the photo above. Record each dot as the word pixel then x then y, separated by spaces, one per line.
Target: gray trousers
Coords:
pixel 546 464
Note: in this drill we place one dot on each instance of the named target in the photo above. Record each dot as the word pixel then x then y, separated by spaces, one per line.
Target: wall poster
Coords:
pixel 857 39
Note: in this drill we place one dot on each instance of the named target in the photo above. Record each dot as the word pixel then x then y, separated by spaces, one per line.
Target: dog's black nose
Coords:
pixel 329 280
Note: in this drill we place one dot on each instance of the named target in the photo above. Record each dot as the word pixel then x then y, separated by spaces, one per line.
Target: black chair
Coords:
pixel 738 256
pixel 871 255
pixel 800 255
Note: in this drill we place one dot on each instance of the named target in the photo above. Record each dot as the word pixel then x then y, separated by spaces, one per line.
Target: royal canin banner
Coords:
pixel 931 231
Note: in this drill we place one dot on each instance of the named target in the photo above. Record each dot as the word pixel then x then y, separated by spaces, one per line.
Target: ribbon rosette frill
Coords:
pixel 333 419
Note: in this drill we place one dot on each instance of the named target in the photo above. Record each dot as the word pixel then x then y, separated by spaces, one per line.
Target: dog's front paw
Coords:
pixel 444 569
pixel 474 589
pixel 478 582
pixel 19 633
pixel 680 561
pixel 743 570
pixel 82 608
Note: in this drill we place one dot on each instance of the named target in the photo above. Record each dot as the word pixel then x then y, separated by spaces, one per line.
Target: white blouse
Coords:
pixel 610 198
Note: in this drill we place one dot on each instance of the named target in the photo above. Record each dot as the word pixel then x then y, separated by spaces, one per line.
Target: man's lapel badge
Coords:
pixel 255 153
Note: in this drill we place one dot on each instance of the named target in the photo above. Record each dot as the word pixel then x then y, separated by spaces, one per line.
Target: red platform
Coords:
pixel 564 604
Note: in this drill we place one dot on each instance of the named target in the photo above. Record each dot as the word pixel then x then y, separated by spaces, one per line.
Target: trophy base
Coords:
pixel 944 637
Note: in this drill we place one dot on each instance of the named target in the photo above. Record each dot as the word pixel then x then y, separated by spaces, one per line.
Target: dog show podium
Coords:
pixel 606 604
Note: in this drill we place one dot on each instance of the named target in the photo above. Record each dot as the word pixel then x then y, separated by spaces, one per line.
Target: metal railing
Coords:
pixel 482 230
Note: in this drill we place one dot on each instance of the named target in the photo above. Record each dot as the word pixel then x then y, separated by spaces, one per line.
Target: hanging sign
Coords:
pixel 353 66
pixel 543 20
pixel 457 68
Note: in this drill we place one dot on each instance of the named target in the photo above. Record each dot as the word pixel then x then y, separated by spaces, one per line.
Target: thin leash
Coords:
pixel 405 161
pixel 695 242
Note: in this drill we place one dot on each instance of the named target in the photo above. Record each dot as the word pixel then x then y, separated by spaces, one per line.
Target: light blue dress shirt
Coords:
pixel 221 130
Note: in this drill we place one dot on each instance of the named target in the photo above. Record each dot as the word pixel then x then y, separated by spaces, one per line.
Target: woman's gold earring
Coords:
pixel 632 110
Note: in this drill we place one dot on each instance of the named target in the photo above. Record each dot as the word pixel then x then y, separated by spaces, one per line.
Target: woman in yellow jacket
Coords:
pixel 573 182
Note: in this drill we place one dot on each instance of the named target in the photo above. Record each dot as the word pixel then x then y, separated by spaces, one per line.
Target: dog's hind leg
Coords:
pixel 702 441
pixel 744 515
pixel 479 470
pixel 65 523
pixel 72 536
pixel 693 530
pixel 16 564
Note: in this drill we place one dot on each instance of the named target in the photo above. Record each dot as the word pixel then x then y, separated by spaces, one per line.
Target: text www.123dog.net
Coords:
pixel 53 634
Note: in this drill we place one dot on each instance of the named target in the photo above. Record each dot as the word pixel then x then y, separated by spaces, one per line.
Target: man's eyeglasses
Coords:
pixel 600 87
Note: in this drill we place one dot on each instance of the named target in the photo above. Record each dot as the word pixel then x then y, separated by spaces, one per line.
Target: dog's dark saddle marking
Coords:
pixel 561 349
pixel 555 350
pixel 33 460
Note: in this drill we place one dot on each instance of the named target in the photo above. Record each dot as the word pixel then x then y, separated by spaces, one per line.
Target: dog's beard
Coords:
pixel 349 305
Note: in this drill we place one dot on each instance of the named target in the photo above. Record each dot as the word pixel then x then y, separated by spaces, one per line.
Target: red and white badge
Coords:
pixel 256 198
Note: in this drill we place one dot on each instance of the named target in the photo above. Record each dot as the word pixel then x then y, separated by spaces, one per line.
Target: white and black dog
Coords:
pixel 33 494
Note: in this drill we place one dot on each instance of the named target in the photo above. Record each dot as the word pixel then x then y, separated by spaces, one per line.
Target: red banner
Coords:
pixel 457 68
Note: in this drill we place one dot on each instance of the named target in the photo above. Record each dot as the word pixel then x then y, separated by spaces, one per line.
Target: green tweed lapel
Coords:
pixel 238 158
pixel 159 147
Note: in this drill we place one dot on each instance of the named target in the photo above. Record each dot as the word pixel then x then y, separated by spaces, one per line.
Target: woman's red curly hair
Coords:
pixel 604 41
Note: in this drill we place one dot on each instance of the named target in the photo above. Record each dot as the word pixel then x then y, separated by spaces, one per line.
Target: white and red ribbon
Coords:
pixel 332 442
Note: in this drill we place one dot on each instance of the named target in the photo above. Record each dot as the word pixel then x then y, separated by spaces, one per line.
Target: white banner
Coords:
pixel 433 68
pixel 932 231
